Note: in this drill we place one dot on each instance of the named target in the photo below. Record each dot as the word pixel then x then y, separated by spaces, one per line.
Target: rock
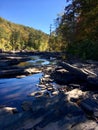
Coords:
pixel 55 93
pixel 42 86
pixel 68 122
pixel 90 106
pixel 51 126
pixel 15 121
pixel 96 113
pixel 74 86
pixel 79 73
pixel 61 70
pixel 46 94
pixel 7 110
pixel 33 70
pixel 87 125
pixel 38 93
pixel 92 83
pixel 46 76
pixel 56 111
pixel 75 93
pixel 62 88
pixel 49 88
pixel 20 76
pixel 63 77
pixel 12 72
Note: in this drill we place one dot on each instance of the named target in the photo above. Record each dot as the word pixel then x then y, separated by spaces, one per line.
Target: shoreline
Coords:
pixel 70 105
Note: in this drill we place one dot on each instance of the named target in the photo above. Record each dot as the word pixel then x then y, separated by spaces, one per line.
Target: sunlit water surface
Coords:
pixel 13 91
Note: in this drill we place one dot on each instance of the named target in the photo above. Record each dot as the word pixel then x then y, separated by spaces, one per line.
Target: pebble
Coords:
pixel 55 93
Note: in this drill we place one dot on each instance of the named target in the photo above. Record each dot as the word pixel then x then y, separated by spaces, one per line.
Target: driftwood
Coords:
pixel 74 70
pixel 82 74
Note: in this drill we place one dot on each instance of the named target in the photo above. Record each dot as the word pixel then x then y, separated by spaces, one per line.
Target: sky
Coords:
pixel 38 14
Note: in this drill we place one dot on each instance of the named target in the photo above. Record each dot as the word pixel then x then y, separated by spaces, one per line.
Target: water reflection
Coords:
pixel 17 89
pixel 13 90
pixel 35 60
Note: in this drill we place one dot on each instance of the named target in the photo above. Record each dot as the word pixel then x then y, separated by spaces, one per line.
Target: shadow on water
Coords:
pixel 13 91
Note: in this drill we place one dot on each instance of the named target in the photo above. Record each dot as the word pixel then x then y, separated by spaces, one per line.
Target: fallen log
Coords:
pixel 89 72
pixel 74 70
pixel 77 71
pixel 82 74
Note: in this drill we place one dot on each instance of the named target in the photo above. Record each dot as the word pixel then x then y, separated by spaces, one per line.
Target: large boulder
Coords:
pixel 62 76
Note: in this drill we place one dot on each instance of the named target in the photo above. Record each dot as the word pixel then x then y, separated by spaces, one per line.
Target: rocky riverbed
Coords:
pixel 65 96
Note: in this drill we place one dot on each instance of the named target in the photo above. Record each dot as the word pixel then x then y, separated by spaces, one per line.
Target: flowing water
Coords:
pixel 14 90
pixel 35 60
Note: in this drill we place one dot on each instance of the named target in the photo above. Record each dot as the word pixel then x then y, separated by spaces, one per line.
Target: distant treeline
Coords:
pixel 19 37
pixel 76 32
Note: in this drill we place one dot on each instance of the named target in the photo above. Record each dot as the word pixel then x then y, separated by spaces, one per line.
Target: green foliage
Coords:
pixel 86 49
pixel 19 37
pixel 77 30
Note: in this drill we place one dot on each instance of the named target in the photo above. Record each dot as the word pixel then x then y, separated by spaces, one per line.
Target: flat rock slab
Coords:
pixel 90 106
pixel 87 125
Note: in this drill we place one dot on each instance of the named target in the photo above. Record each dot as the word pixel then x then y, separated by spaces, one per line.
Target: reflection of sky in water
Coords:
pixel 17 89
pixel 35 60
pixel 39 62
pixel 13 90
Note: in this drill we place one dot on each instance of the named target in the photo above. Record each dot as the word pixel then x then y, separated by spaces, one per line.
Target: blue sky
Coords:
pixel 38 14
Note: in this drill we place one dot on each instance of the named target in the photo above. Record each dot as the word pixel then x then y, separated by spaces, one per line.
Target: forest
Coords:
pixel 19 37
pixel 50 81
pixel 77 29
pixel 76 32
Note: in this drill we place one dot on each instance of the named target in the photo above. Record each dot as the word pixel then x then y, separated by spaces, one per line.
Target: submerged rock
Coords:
pixel 38 93
pixel 26 105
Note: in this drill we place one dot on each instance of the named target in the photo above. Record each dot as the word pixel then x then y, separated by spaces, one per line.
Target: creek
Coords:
pixel 13 91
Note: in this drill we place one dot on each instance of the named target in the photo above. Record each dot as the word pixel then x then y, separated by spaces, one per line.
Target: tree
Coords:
pixel 78 28
pixel 18 37
pixel 15 40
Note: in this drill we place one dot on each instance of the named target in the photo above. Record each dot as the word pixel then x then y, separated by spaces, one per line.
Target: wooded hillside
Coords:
pixel 19 37
pixel 75 31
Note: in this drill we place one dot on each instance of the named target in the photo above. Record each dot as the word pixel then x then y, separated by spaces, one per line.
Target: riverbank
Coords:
pixel 67 98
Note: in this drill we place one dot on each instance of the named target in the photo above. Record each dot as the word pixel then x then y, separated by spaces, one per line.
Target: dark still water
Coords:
pixel 14 90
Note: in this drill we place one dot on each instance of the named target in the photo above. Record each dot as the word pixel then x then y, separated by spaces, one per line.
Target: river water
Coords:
pixel 15 90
